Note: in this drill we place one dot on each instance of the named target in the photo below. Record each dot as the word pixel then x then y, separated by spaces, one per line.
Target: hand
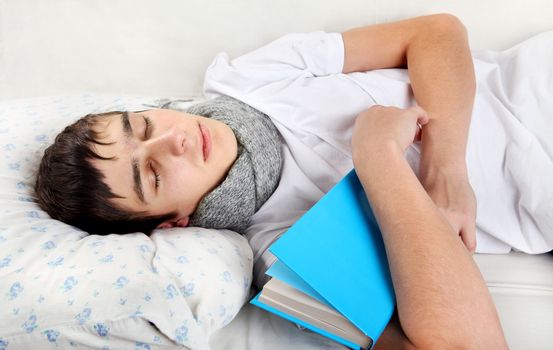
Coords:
pixel 452 193
pixel 448 187
pixel 380 125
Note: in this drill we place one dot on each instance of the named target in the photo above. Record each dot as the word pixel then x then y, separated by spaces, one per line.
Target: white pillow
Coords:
pixel 61 286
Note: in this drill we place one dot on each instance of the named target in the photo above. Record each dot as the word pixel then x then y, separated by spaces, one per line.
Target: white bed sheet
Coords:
pixel 521 286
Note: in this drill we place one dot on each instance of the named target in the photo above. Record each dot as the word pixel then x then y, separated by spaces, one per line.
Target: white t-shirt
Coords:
pixel 297 81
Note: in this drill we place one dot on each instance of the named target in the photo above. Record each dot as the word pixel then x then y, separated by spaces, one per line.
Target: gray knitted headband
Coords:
pixel 254 175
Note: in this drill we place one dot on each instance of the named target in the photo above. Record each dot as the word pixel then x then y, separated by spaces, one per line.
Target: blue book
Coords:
pixel 332 274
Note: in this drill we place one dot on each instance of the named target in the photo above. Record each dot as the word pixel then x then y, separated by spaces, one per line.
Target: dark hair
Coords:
pixel 70 189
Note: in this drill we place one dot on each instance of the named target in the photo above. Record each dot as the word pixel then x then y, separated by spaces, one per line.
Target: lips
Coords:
pixel 205 141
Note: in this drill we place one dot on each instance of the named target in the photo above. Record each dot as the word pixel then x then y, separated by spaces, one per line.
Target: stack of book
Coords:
pixel 332 274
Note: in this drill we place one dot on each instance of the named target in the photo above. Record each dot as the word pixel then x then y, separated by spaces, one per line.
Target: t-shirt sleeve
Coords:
pixel 288 57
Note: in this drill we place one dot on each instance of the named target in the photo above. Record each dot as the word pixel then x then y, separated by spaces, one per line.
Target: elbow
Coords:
pixel 486 333
pixel 498 344
pixel 470 341
pixel 446 23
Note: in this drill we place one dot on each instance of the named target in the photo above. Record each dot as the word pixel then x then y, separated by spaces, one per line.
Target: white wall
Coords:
pixel 163 47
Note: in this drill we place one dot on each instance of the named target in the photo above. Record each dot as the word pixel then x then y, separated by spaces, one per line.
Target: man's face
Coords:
pixel 166 160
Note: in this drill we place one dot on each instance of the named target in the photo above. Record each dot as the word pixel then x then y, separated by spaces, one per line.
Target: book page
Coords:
pixel 291 301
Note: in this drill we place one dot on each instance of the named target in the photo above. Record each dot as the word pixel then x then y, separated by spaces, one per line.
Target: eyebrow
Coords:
pixel 127 130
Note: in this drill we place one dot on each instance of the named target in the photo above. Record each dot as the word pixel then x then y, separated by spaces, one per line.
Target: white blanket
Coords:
pixel 510 150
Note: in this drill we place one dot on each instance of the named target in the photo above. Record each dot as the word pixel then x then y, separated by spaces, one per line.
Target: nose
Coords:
pixel 171 141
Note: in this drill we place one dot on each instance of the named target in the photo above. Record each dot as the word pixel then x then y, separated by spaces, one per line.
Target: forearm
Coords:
pixel 441 296
pixel 442 78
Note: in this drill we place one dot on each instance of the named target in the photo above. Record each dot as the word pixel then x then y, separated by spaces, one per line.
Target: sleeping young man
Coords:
pixel 281 126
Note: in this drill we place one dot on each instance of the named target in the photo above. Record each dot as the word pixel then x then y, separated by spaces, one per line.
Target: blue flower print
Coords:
pixel 182 259
pixel 144 248
pixel 188 289
pixel 41 138
pixel 137 313
pixel 83 316
pixel 213 251
pixel 170 291
pixel 14 166
pixel 226 276
pixel 30 324
pixel 237 251
pixel 181 334
pixel 101 329
pixel 69 283
pixel 56 262
pixel 15 290
pixel 52 335
pixel 121 282
pixel 141 346
pixel 246 283
pixel 3 344
pixel 107 259
pixel 5 262
pixel 32 214
pixel 96 243
pixel 228 318
pixel 9 147
pixel 39 228
pixel 48 245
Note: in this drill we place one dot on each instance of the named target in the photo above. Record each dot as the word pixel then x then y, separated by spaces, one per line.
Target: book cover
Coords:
pixel 335 254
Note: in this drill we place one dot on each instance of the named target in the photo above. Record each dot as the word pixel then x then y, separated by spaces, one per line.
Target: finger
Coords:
pixel 423 120
pixel 422 116
pixel 453 221
pixel 468 235
pixel 418 133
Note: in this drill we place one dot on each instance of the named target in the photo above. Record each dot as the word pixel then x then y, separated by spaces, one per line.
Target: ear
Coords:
pixel 180 222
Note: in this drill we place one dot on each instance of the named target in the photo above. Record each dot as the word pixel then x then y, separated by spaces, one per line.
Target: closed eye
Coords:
pixel 156 175
pixel 148 128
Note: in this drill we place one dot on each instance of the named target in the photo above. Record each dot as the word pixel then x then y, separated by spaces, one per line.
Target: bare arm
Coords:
pixel 436 52
pixel 442 299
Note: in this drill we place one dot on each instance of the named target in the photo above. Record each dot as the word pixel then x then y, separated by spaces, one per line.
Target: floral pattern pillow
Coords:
pixel 60 287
